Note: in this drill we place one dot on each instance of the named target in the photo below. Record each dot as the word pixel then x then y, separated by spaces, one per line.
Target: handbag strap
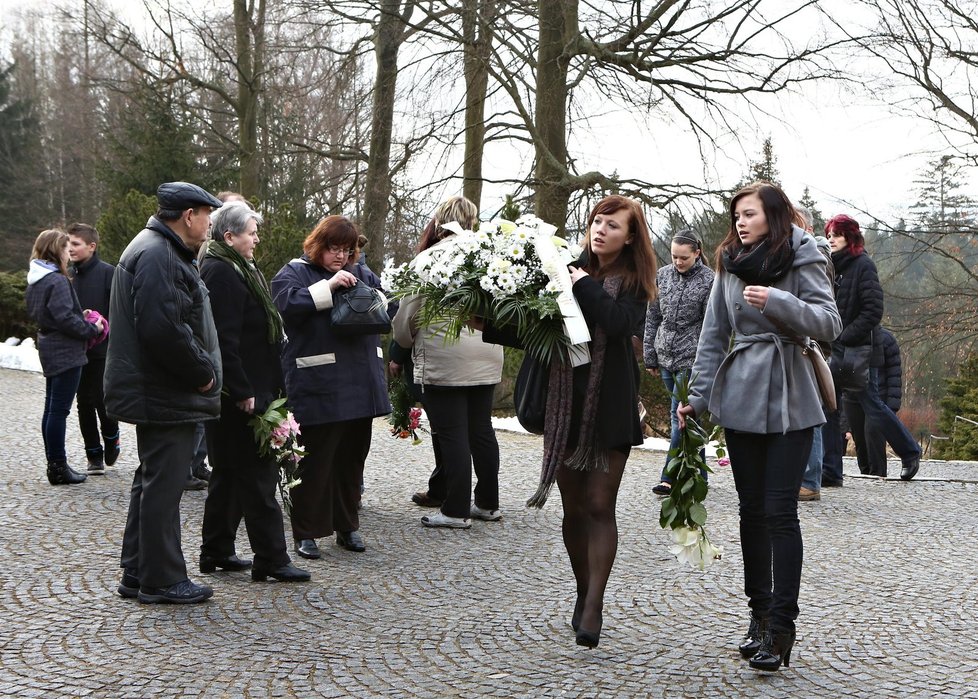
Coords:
pixel 795 337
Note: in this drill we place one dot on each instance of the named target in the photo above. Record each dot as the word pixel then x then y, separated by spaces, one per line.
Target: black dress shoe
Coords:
pixel 910 468
pixel 286 573
pixel 129 585
pixel 209 564
pixel 351 541
pixel 307 548
pixel 183 592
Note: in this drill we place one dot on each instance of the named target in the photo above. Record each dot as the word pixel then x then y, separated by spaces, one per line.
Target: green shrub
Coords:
pixel 961 400
pixel 14 321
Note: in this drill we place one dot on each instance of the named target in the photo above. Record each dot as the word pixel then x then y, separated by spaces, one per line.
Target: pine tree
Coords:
pixel 808 201
pixel 961 400
pixel 765 169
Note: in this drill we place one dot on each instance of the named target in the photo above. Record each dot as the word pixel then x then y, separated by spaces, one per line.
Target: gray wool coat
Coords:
pixel 764 384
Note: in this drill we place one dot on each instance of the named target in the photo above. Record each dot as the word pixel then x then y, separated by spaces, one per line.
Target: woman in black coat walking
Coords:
pixel 250 333
pixel 592 421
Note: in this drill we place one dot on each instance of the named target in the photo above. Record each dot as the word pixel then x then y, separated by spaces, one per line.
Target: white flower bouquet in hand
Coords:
pixel 509 273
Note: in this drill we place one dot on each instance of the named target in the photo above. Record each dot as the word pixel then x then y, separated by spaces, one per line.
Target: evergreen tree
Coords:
pixel 941 207
pixel 765 169
pixel 961 400
pixel 808 201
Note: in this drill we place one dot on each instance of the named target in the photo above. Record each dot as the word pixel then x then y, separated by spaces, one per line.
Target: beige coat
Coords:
pixel 441 362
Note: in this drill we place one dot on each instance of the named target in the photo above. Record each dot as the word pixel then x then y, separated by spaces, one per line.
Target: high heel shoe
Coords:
pixel 588 639
pixel 578 611
pixel 775 650
pixel 755 632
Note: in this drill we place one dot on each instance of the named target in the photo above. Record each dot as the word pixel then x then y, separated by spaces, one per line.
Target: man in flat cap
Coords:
pixel 163 374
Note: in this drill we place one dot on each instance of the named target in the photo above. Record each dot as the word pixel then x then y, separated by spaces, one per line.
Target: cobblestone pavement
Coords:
pixel 888 593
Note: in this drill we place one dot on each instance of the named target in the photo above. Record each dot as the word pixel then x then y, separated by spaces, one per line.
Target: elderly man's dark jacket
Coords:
pixel 163 344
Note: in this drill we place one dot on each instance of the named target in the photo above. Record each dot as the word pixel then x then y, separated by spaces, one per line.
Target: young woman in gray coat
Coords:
pixel 762 391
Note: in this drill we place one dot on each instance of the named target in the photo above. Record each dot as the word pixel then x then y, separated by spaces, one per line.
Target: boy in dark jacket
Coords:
pixel 92 279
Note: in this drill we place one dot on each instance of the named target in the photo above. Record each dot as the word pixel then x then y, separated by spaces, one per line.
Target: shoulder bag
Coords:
pixel 360 310
pixel 530 394
pixel 823 374
pixel 850 366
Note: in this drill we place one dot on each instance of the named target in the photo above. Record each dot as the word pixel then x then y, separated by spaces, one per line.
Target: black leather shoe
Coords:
pixel 774 652
pixel 351 541
pixel 183 592
pixel 286 573
pixel 129 585
pixel 307 548
pixel 232 563
pixel 910 468
pixel 60 473
pixel 755 632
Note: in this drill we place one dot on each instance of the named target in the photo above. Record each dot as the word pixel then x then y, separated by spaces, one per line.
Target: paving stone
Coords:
pixel 887 599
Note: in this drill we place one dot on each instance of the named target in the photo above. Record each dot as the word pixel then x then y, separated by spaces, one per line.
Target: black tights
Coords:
pixel 591 531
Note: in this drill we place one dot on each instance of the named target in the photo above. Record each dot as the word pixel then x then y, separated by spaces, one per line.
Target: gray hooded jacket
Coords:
pixel 764 384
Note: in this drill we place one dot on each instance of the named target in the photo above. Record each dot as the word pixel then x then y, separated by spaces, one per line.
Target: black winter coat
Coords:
pixel 62 331
pixel 162 342
pixel 617 419
pixel 891 373
pixel 251 364
pixel 92 280
pixel 328 378
pixel 858 295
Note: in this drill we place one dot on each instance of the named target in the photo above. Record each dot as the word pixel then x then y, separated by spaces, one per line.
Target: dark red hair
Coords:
pixel 332 231
pixel 848 228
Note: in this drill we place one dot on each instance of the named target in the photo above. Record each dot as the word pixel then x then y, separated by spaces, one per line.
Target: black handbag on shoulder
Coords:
pixel 360 310
pixel 850 367
pixel 530 394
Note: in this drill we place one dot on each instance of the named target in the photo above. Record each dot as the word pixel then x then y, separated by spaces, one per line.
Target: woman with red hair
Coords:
pixel 860 300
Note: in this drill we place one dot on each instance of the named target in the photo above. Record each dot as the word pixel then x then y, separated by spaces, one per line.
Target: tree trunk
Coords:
pixel 249 34
pixel 557 19
pixel 376 197
pixel 477 16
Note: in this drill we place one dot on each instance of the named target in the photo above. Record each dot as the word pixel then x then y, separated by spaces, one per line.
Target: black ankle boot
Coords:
pixel 755 632
pixel 60 473
pixel 775 649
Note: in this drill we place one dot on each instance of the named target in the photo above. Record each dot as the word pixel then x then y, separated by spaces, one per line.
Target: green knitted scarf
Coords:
pixel 255 282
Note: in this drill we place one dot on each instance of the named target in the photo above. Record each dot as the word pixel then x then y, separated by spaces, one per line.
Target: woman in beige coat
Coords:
pixel 457 380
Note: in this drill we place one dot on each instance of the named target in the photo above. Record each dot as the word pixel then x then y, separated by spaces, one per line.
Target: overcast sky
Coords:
pixel 842 146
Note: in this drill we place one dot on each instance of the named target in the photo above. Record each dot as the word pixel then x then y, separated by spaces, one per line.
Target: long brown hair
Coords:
pixel 48 247
pixel 636 263
pixel 778 211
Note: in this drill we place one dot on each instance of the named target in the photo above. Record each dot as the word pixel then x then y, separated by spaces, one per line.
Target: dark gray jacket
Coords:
pixel 674 320
pixel 764 384
pixel 92 280
pixel 62 331
pixel 162 343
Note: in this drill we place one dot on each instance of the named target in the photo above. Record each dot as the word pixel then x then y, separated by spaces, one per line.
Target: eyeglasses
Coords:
pixel 344 252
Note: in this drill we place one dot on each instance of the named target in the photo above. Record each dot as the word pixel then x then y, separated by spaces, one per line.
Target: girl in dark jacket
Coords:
pixel 62 340
pixel 592 420
pixel 335 385
pixel 250 333
pixel 860 299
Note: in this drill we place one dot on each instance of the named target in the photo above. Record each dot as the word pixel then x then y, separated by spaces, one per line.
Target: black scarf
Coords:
pixel 759 264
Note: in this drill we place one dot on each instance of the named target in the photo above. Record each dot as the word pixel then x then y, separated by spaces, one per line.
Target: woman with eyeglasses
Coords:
pixel 335 385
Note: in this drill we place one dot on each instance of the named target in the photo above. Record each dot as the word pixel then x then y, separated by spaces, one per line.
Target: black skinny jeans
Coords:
pixel 462 417
pixel 767 470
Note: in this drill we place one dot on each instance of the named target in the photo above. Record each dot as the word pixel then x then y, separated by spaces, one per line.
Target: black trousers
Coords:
pixel 242 483
pixel 767 470
pixel 462 417
pixel 151 543
pixel 331 472
pixel 91 408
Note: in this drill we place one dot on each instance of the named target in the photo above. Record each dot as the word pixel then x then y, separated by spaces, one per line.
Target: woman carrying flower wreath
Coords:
pixel 249 329
pixel 591 423
pixel 457 382
pixel 762 391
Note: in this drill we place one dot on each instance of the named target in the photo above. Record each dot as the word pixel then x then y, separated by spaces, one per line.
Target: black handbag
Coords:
pixel 530 394
pixel 850 367
pixel 360 310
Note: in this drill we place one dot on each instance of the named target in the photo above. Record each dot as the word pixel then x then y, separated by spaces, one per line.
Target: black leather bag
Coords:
pixel 850 367
pixel 360 310
pixel 530 394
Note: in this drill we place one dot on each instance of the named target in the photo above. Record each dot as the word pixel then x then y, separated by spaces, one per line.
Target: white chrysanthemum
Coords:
pixel 515 251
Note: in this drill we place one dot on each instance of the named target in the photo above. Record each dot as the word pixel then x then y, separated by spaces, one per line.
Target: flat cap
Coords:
pixel 180 196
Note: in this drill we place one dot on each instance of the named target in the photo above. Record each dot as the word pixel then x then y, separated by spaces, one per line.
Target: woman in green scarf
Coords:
pixel 250 333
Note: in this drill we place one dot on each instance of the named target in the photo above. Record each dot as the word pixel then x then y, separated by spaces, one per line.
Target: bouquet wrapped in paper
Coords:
pixel 510 273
